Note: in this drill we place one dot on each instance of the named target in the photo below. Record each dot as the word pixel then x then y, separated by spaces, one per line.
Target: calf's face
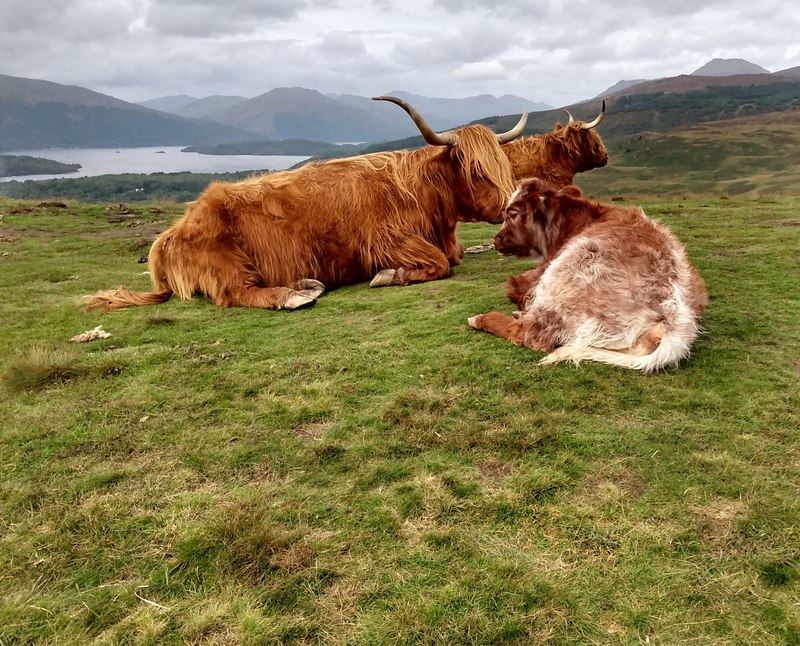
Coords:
pixel 525 221
pixel 534 218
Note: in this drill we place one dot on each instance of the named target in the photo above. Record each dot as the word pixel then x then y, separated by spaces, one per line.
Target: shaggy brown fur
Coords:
pixel 557 156
pixel 278 240
pixel 613 286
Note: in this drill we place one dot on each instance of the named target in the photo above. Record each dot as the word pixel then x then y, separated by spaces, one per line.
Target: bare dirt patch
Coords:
pixel 718 517
pixel 494 470
pixel 610 484
pixel 313 430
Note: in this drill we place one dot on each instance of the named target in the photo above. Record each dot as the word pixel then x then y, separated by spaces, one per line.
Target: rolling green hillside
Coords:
pixel 758 155
pixel 628 114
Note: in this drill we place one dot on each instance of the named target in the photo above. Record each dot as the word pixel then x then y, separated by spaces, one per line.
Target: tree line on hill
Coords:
pixel 128 187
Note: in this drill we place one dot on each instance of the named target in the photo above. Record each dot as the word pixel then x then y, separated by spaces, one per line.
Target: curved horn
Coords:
pixel 598 119
pixel 434 139
pixel 516 131
pixel 569 115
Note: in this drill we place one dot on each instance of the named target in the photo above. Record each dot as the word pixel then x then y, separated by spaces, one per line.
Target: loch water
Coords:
pixel 157 159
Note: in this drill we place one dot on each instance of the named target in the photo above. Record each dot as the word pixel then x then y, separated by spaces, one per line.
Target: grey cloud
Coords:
pixel 340 43
pixel 203 18
pixel 494 6
pixel 23 15
pixel 492 70
pixel 469 44
pixel 558 52
pixel 63 22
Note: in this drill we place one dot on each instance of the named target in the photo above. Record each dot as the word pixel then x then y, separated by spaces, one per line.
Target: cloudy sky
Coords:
pixel 557 52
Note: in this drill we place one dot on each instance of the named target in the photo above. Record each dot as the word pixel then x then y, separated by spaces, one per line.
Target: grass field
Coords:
pixel 373 471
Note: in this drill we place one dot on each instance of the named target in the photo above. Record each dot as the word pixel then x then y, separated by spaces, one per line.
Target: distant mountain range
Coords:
pixel 42 114
pixel 299 113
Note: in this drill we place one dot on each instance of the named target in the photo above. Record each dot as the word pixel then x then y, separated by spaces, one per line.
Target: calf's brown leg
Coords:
pixel 500 325
pixel 518 287
pixel 526 330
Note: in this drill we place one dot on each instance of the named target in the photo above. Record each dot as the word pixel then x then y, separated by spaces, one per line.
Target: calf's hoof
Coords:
pixel 384 278
pixel 298 300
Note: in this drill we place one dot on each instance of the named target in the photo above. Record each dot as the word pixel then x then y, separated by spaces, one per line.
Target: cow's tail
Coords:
pixel 663 345
pixel 119 298
pixel 646 363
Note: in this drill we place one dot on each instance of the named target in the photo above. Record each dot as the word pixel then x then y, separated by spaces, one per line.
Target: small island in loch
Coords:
pixel 20 165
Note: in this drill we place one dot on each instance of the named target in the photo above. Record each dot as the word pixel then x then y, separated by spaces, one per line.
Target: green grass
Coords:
pixel 373 471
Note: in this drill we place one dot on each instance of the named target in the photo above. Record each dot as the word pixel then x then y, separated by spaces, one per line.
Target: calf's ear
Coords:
pixel 571 191
pixel 536 185
pixel 541 205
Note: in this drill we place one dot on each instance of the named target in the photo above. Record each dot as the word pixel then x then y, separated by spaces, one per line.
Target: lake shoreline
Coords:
pixel 147 160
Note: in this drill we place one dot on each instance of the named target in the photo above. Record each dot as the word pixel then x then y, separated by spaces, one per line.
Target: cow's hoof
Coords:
pixel 298 300
pixel 309 287
pixel 473 321
pixel 384 278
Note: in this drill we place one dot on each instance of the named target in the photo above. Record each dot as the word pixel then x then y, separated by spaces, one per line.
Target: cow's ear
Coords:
pixel 571 191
